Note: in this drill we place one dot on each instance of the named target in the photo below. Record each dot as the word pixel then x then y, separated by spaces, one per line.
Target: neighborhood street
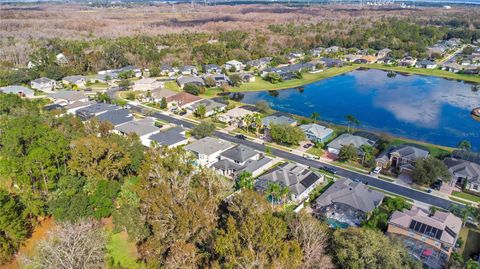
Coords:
pixel 410 193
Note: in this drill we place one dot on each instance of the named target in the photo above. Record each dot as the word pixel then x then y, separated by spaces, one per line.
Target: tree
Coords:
pixel 200 111
pixel 315 116
pixel 203 129
pixel 163 103
pixel 210 81
pixel 352 121
pixel 273 192
pixel 80 245
pixel 465 145
pixel 365 248
pixel 102 199
pixel 70 202
pixel 348 153
pixel 429 170
pixel 236 80
pixel 191 88
pixel 245 181
pixel 262 106
pixel 286 133
pixel 273 78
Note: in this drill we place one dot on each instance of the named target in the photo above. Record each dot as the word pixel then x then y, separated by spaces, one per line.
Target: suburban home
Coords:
pixel 331 62
pixel 437 49
pixel 278 119
pixel 188 70
pixel 332 49
pixel 347 202
pixel 386 60
pixel 261 63
pixel 407 61
pixel 71 108
pixel 18 90
pixel 116 117
pixel 316 132
pixel 402 157
pixel 167 70
pixel 212 69
pixel 367 59
pixel 67 97
pixel 299 180
pixel 207 150
pixel 86 113
pixel 236 115
pixel 294 57
pixel 159 93
pixel 240 154
pixel 257 167
pixel 427 237
pixel 220 79
pixel 184 80
pixel 427 64
pixel 384 53
pixel 212 106
pixel 43 84
pixel 247 77
pixel 316 52
pixel 137 72
pixel 171 138
pixel 79 81
pixel 147 84
pixel 182 99
pixel 234 64
pixel 143 128
pixel 238 158
pixel 451 67
pixel 351 57
pixel 465 174
pixel 104 78
pixel 349 139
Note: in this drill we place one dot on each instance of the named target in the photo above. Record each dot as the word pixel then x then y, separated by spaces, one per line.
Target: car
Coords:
pixel 355 180
pixel 240 136
pixel 429 190
pixel 377 170
pixel 307 145
pixel 436 185
pixel 329 169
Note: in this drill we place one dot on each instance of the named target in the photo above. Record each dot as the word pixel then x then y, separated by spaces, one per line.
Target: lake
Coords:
pixel 430 109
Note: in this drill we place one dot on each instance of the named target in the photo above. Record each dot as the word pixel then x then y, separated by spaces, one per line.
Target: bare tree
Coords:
pixel 312 236
pixel 70 246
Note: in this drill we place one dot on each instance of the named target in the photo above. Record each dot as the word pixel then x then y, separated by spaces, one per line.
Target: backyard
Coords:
pixel 471 238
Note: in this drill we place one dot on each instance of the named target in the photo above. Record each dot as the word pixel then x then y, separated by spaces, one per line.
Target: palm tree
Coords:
pixel 273 191
pixel 284 191
pixel 315 116
pixel 351 121
pixel 257 120
pixel 247 119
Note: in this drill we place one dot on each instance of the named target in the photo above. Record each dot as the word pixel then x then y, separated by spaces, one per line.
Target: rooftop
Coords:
pixel 139 127
pixel 347 139
pixel 209 146
pixel 169 137
pixel 239 153
pixel 67 95
pixel 277 119
pixel 316 129
pixel 116 117
pixel 465 169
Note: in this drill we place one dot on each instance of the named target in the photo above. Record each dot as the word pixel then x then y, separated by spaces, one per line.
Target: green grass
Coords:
pixel 453 198
pixel 467 196
pixel 425 72
pixel 315 151
pixel 122 252
pixel 471 238
pixel 173 86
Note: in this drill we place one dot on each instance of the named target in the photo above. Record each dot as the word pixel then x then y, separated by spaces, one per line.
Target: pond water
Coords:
pixel 424 108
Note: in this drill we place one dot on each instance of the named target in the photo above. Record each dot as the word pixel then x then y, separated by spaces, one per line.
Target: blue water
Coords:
pixel 333 223
pixel 424 108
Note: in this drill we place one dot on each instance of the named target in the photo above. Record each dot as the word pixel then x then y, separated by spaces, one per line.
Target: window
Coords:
pixel 475 187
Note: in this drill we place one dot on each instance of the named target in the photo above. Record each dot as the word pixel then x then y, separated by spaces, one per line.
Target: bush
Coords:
pixel 286 133
pixel 203 129
pixel 192 89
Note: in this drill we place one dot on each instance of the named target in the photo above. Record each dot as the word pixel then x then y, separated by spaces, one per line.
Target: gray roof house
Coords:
pixel 316 132
pixel 67 96
pixel 212 106
pixel 212 68
pixel 143 128
pixel 188 70
pixel 18 90
pixel 465 174
pixel 43 84
pixel 184 80
pixel 296 177
pixel 116 117
pixel 95 109
pixel 208 150
pixel 348 202
pixel 240 154
pixel 403 157
pixel 348 139
pixel 278 119
pixel 427 64
pixel 241 159
pixel 171 138
pixel 75 80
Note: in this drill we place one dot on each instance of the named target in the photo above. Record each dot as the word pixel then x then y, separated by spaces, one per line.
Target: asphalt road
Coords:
pixel 341 172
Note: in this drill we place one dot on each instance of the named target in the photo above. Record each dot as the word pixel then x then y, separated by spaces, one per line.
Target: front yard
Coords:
pixel 467 196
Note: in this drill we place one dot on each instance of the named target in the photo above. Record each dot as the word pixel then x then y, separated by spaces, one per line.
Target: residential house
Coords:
pixel 437 49
pixel 234 64
pixel 384 53
pixel 366 59
pixel 317 52
pixel 79 81
pixel 220 79
pixel 247 77
pixel 386 60
pixel 182 99
pixel 316 132
pixel 451 67
pixel 86 113
pixel 299 180
pixel 257 167
pixel 72 107
pixel 116 117
pixel 351 57
pixel 428 237
pixel 331 62
pixel 158 94
pixel 184 80
pixel 208 149
pixel 465 174
pixel 347 202
pixel 332 49
pixel 43 84
pixel 18 90
pixel 260 64
pixel 188 70
pixel 171 138
pixel 67 97
pixel 427 64
pixel 236 115
pixel 104 78
pixel 143 128
pixel 278 119
pixel 235 159
pixel 167 70
pixel 147 84
pixel 212 69
pixel 407 61
pixel 349 139
pixel 212 106
pixel 402 157
pixel 293 57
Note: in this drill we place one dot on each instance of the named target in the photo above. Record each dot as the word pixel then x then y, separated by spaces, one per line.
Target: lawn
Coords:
pixel 122 252
pixel 172 85
pixel 423 71
pixel 471 238
pixel 467 196
pixel 315 151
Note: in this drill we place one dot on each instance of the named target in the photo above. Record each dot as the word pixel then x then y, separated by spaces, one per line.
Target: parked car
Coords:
pixel 376 170
pixel 329 169
pixel 240 136
pixel 436 185
pixel 307 145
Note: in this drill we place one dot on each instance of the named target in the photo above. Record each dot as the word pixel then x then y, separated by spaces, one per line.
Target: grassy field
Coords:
pixel 467 196
pixel 122 252
pixel 471 238
pixel 423 71
pixel 315 151
pixel 172 85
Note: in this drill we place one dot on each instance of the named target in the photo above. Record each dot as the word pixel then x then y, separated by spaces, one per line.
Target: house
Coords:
pixel 278 119
pixel 331 62
pixel 182 99
pixel 257 167
pixel 43 84
pixel 167 70
pixel 188 70
pixel 260 64
pixel 143 128
pixel 86 113
pixel 402 157
pixel 347 202
pixel 351 57
pixel 367 59
pixel 240 154
pixel 220 79
pixel 465 174
pixel 104 78
pixel 427 64
pixel 67 97
pixel 294 57
pixel 18 90
pixel 212 69
pixel 184 80
pixel 72 107
pixel 137 72
pixel 147 84
pixel 237 114
pixel 171 138
pixel 384 53
pixel 332 49
pixel 234 65
pixel 386 60
pixel 299 180
pixel 316 52
pixel 407 61
pixel 451 67
pixel 349 139
pixel 159 93
pixel 79 81
pixel 207 150
pixel 316 132
pixel 247 77
pixel 428 237
pixel 212 106
pixel 116 117
pixel 437 49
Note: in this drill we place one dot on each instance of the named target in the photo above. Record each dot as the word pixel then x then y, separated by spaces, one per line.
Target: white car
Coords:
pixel 377 170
